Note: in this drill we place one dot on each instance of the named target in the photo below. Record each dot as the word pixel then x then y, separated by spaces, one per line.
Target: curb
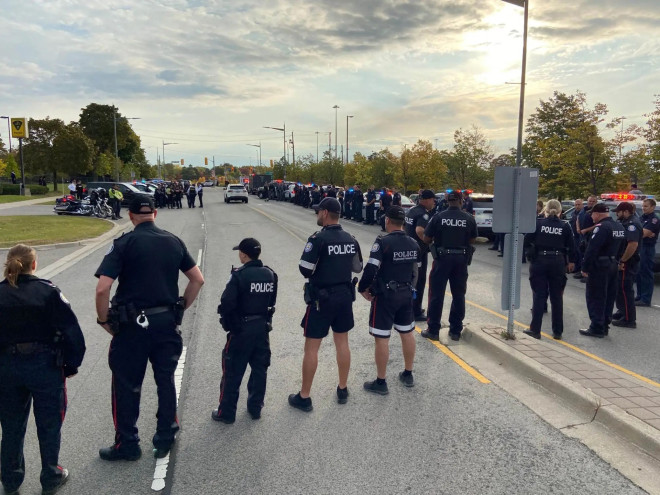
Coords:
pixel 92 244
pixel 613 417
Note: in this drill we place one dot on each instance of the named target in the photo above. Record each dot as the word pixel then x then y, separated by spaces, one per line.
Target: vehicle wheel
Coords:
pixel 246 200
pixel 59 212
pixel 226 200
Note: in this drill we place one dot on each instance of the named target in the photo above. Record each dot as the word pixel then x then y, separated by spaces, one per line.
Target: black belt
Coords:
pixel 249 318
pixel 394 285
pixel 451 251
pixel 336 288
pixel 156 310
pixel 26 348
pixel 550 253
pixel 606 258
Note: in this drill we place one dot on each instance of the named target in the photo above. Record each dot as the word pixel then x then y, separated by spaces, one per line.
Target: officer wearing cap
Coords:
pixel 388 281
pixel 396 198
pixel 328 261
pixel 625 315
pixel 651 230
pixel 146 311
pixel 385 203
pixel 348 204
pixel 452 233
pixel 599 266
pixel 41 345
pixel 417 218
pixel 550 250
pixel 246 311
pixel 584 227
pixel 358 201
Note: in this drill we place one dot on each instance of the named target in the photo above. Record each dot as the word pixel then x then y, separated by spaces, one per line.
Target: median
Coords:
pixel 39 230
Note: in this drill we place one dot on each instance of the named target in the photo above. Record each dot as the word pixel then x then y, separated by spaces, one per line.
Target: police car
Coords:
pixel 236 192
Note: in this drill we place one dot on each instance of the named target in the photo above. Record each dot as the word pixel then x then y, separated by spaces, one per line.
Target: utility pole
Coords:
pixel 336 107
pixel 347 117
pixel 293 149
pixel 317 147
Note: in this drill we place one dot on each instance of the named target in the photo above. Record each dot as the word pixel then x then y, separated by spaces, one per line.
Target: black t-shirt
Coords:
pixel 606 240
pixel 147 262
pixel 552 234
pixel 452 229
pixel 652 223
pixel 417 216
pixel 392 258
pixel 251 290
pixel 330 257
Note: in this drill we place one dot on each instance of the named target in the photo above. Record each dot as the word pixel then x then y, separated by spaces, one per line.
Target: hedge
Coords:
pixel 15 189
pixel 38 190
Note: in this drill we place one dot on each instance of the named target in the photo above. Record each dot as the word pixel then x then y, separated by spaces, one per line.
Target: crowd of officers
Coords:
pixel 41 343
pixel 171 194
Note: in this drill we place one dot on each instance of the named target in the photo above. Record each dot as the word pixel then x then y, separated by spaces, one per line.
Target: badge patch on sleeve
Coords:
pixel 375 247
pixel 596 230
pixel 308 247
pixel 64 299
pixel 631 228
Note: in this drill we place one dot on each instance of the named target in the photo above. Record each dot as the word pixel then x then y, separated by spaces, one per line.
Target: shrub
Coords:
pixel 7 189
pixel 38 190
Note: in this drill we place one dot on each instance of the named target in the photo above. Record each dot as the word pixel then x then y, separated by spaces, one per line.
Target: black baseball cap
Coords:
pixel 331 204
pixel 454 196
pixel 396 213
pixel 427 194
pixel 600 208
pixel 249 246
pixel 139 202
pixel 625 206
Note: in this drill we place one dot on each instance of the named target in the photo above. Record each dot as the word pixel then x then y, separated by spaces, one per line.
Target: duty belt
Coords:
pixel 606 258
pixel 451 251
pixel 26 348
pixel 336 288
pixel 249 318
pixel 394 285
pixel 550 253
pixel 156 310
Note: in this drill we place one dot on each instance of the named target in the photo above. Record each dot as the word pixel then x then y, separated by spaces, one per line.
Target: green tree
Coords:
pixel 383 166
pixel 429 168
pixel 72 152
pixel 38 147
pixel 469 162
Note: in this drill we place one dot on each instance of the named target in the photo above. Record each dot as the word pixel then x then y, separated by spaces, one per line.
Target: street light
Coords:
pixel 283 129
pixel 257 146
pixel 336 107
pixel 114 122
pixel 317 147
pixel 165 144
pixel 347 117
pixel 8 130
pixel 513 254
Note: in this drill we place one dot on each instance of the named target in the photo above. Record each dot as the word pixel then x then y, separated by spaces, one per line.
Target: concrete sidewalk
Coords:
pixel 28 202
pixel 627 403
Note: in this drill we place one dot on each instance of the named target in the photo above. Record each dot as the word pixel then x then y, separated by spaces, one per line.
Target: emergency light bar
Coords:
pixel 622 196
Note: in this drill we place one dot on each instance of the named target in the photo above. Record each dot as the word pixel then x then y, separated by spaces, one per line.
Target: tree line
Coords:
pixel 577 149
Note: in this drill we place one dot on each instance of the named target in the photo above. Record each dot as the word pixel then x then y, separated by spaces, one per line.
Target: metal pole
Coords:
pixel 8 129
pixel 317 147
pixel 516 184
pixel 330 144
pixel 20 151
pixel 336 107
pixel 347 117
pixel 293 149
pixel 114 121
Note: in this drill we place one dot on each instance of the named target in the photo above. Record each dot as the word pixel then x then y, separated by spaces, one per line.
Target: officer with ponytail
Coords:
pixel 41 345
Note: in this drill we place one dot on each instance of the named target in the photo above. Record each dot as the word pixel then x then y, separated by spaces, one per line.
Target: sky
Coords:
pixel 209 75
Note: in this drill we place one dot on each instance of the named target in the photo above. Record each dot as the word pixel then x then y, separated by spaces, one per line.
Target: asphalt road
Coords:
pixel 449 434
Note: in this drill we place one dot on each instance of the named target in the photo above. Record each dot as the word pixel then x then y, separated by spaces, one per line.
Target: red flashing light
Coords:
pixel 618 196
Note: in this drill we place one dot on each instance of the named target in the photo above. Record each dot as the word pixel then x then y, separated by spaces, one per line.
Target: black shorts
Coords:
pixel 392 309
pixel 335 312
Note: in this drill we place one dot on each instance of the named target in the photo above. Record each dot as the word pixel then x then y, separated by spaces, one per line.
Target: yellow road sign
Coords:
pixel 19 127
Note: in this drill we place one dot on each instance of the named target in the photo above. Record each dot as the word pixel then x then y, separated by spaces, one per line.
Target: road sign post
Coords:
pixel 19 130
pixel 514 213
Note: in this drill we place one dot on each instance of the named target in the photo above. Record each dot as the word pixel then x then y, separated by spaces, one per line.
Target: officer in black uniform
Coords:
pixel 650 232
pixel 396 198
pixel 348 204
pixel 328 260
pixel 551 250
pixel 316 196
pixel 340 198
pixel 385 203
pixel 143 322
pixel 600 266
pixel 626 315
pixel 452 232
pixel 246 311
pixel 41 344
pixel 370 208
pixel 417 218
pixel 388 281
pixel 358 201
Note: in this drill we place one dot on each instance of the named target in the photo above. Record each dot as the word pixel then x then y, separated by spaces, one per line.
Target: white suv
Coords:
pixel 236 192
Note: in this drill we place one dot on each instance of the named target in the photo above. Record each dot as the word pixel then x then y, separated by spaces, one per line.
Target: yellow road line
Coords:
pixel 445 350
pixel 571 346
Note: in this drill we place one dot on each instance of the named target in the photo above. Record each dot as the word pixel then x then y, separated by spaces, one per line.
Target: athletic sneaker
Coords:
pixel 342 395
pixel 299 403
pixel 407 379
pixel 376 388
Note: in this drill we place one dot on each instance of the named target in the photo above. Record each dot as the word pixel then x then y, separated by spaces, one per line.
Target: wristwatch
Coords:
pixel 101 322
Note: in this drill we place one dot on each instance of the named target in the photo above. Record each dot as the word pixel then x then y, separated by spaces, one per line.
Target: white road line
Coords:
pixel 656 306
pixel 202 226
pixel 199 258
pixel 160 472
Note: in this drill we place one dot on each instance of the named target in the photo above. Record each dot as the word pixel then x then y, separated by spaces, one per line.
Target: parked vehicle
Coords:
pixel 236 192
pixel 128 189
pixel 69 205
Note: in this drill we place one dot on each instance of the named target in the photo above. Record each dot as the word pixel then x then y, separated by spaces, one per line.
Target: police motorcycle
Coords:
pixel 69 205
pixel 98 198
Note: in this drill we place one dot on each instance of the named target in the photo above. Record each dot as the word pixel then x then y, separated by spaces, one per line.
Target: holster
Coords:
pixel 530 252
pixel 179 310
pixel 354 288
pixel 59 351
pixel 470 253
pixel 434 251
pixel 310 293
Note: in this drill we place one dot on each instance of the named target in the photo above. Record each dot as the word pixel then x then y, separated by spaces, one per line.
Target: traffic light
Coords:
pixel 182 162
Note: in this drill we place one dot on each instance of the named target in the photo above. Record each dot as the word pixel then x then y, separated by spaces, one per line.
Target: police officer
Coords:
pixel 329 258
pixel 40 345
pixel 576 236
pixel 358 201
pixel 348 204
pixel 396 198
pixel 584 226
pixel 388 281
pixel 417 218
pixel 452 232
pixel 116 197
pixel 600 268
pixel 650 230
pixel 246 311
pixel 551 250
pixel 468 206
pixel 385 203
pixel 146 312
pixel 370 208
pixel 628 256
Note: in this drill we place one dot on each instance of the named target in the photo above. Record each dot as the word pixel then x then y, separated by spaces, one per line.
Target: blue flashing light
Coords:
pixel 449 190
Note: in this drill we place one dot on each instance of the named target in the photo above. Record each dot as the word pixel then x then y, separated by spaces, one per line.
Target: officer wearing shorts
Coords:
pixel 328 261
pixel 146 312
pixel 452 232
pixel 246 310
pixel 600 269
pixel 388 281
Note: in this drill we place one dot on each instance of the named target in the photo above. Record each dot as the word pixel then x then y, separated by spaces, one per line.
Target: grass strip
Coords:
pixel 41 229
